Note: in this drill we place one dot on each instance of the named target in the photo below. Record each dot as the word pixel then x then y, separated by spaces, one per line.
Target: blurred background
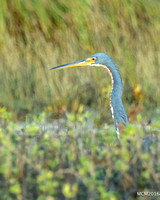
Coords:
pixel 56 141
pixel 39 34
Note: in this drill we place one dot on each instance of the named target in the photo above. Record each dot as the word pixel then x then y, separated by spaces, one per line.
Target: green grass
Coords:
pixel 74 162
pixel 37 35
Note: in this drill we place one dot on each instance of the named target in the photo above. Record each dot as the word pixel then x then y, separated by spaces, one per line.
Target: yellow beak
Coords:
pixel 85 62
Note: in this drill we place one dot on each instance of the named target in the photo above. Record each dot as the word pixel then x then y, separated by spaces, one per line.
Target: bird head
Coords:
pixel 97 60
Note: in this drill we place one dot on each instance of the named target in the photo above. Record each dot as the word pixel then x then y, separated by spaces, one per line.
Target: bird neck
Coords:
pixel 116 81
pixel 117 86
pixel 117 109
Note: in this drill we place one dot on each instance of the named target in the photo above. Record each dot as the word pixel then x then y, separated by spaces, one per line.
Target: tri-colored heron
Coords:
pixel 104 61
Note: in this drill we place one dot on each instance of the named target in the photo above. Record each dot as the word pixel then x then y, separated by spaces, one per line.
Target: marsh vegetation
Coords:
pixel 57 139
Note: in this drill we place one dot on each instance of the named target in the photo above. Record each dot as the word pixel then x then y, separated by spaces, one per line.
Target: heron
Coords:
pixel 104 61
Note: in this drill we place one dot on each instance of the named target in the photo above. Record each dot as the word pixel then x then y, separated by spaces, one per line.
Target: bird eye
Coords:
pixel 93 59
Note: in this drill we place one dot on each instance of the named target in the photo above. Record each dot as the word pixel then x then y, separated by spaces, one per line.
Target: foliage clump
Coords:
pixel 74 162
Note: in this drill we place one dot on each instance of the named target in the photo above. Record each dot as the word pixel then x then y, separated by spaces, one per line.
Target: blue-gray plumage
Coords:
pixel 104 61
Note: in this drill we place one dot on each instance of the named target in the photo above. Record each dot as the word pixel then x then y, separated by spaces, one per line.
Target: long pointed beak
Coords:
pixel 85 62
